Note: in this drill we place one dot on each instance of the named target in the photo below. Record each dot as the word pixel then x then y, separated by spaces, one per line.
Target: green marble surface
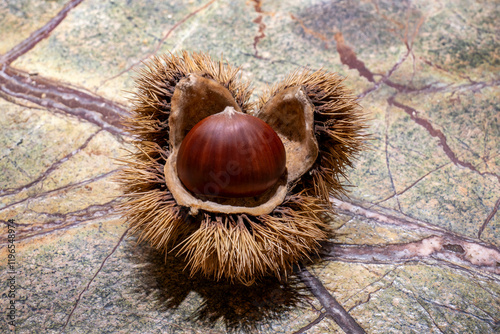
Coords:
pixel 418 244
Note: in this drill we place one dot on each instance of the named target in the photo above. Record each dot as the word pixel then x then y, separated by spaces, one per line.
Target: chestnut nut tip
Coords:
pixel 231 154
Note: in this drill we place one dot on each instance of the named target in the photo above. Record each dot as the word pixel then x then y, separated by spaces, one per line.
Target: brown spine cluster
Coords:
pixel 338 124
pixel 237 247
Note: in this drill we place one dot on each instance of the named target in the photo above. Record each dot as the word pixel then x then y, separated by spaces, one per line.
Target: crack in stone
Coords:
pixel 479 283
pixel 440 68
pixel 93 278
pixel 402 26
pixel 56 96
pixel 348 57
pixel 46 173
pixel 496 321
pixel 38 35
pixel 454 248
pixel 332 307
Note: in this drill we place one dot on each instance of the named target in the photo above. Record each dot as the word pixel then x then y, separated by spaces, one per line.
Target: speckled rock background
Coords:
pixel 418 249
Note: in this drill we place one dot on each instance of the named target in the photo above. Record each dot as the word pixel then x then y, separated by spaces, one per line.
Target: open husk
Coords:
pixel 239 240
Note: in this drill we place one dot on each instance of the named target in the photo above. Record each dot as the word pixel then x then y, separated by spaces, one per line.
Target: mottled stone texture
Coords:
pixel 418 244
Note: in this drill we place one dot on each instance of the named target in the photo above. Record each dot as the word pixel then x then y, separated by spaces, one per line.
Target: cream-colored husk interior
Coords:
pixel 289 113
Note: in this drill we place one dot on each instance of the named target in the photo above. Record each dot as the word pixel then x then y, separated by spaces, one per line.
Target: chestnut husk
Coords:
pixel 240 240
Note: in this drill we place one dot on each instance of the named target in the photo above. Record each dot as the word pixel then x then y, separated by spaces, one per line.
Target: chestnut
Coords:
pixel 231 154
pixel 238 189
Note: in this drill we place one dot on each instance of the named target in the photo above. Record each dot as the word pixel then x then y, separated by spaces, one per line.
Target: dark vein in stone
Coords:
pixel 160 43
pixel 95 275
pixel 38 35
pixel 102 208
pixel 379 279
pixel 435 87
pixel 48 171
pixel 17 86
pixel 451 251
pixel 428 314
pixel 388 165
pixel 495 319
pixel 385 287
pixel 311 31
pixel 484 155
pixel 332 307
pixel 385 78
pixel 408 222
pixel 488 219
pixel 60 189
pixel 417 298
pixel 480 283
pixel 465 77
pixel 56 96
pixel 348 57
pixel 413 113
pixel 10 149
pixel 312 324
pixel 490 321
pixel 352 209
pixel 274 61
pixel 60 221
pixel 448 88
pixel 413 184
pixel 262 27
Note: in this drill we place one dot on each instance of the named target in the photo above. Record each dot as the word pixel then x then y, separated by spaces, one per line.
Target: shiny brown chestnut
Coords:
pixel 231 154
